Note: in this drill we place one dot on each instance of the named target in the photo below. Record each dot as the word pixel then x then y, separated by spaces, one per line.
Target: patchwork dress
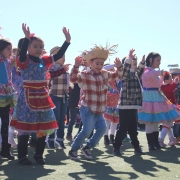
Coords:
pixel 7 91
pixel 33 112
pixel 156 108
pixel 112 112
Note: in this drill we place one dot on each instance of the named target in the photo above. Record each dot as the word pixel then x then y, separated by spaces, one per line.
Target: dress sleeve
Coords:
pixel 22 65
pixel 48 60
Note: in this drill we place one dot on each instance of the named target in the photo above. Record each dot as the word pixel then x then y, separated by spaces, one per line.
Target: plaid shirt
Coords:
pixel 94 86
pixel 57 73
pixel 177 94
pixel 59 82
pixel 131 91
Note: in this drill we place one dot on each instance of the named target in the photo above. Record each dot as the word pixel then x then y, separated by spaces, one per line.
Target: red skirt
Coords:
pixel 37 96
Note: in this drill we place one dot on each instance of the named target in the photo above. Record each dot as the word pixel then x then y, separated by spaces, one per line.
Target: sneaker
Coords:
pixel 116 152
pixel 161 143
pixel 139 151
pixel 172 142
pixel 73 155
pixel 86 152
pixel 60 144
pixel 50 144
pixel 69 137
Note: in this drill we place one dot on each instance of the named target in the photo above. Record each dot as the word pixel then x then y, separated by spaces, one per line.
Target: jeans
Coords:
pixel 90 121
pixel 176 130
pixel 73 113
pixel 60 114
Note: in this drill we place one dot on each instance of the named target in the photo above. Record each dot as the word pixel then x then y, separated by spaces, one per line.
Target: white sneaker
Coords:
pixel 172 142
pixel 161 143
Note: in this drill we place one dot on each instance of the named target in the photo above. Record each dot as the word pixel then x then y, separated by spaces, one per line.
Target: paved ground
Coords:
pixel 161 164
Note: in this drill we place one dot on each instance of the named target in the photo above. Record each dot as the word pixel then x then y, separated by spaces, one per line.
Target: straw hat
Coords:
pixel 175 71
pixel 99 52
pixel 54 50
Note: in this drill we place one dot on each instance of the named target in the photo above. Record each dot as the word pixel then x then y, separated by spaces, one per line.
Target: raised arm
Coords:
pixel 24 47
pixel 118 73
pixel 65 45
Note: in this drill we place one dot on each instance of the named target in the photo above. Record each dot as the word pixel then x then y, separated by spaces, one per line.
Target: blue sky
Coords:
pixel 146 25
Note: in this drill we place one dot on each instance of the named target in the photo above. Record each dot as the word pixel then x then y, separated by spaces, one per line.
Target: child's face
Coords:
pixel 134 64
pixel 156 62
pixel 61 61
pixel 169 81
pixel 35 48
pixel 7 52
pixel 96 65
pixel 14 51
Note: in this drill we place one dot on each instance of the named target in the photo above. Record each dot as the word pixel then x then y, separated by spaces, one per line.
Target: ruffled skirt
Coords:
pixel 156 108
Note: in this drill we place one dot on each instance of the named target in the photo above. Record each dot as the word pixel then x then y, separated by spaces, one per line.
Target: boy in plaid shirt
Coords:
pixel 94 85
pixel 130 102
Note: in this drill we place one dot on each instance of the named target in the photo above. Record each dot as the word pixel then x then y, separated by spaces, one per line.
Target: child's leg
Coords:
pixel 106 138
pixel 122 131
pixel 88 120
pixel 108 123
pixel 100 127
pixel 4 113
pixel 61 114
pixel 176 129
pixel 5 149
pixel 113 128
pixel 132 130
pixel 150 137
pixel 112 131
pixel 22 148
pixel 73 113
pixel 156 136
pixel 172 139
pixel 40 146
pixel 163 134
pixel 11 138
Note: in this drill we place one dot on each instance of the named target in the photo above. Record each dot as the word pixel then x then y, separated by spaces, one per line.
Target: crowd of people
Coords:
pixel 111 99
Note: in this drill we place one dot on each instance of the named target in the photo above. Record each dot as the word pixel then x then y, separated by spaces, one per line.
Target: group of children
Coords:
pixel 39 100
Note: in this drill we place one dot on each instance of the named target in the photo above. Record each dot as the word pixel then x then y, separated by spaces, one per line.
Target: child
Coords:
pixel 59 91
pixel 130 102
pixel 156 108
pixel 176 128
pixel 74 96
pixel 111 113
pixel 17 83
pixel 94 83
pixel 168 89
pixel 33 112
pixel 7 93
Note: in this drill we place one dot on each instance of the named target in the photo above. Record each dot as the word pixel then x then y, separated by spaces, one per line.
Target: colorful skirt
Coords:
pixel 7 100
pixel 156 108
pixel 112 114
pixel 26 120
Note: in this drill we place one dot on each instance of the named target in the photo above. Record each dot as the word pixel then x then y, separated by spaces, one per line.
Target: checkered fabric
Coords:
pixel 177 94
pixel 59 84
pixel 131 91
pixel 94 86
